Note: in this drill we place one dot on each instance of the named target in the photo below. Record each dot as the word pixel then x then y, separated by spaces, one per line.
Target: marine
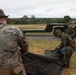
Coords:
pixel 66 47
pixel 12 43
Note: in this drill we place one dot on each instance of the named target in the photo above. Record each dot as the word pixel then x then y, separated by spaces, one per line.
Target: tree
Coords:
pixel 33 19
pixel 67 19
pixel 25 19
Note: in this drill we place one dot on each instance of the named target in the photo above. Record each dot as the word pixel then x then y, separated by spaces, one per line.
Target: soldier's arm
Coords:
pixel 63 42
pixel 22 42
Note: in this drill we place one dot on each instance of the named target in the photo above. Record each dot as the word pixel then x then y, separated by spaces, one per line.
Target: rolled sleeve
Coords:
pixel 22 42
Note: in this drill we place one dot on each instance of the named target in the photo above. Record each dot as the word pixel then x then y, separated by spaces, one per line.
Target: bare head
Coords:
pixel 3 17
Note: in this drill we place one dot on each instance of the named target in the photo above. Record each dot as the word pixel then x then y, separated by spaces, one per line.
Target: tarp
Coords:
pixel 50 64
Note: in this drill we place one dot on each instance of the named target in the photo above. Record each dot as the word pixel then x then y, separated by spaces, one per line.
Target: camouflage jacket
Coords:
pixel 11 40
pixel 66 40
pixel 70 31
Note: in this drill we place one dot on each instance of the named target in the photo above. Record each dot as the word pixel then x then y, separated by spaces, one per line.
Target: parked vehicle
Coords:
pixel 53 27
pixel 62 27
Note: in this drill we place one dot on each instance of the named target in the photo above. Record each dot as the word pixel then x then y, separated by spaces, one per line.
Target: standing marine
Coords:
pixel 12 41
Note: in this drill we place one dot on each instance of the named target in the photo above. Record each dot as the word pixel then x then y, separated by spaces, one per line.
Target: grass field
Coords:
pixel 39 47
pixel 31 26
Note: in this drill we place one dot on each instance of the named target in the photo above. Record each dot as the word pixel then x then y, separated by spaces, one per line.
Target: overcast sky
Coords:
pixel 39 8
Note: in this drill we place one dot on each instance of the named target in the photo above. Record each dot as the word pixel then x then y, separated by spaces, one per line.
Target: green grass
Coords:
pixel 38 33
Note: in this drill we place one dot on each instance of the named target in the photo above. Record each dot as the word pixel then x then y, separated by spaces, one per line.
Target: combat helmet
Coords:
pixel 2 14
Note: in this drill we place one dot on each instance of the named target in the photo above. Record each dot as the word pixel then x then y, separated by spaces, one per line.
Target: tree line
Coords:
pixel 33 20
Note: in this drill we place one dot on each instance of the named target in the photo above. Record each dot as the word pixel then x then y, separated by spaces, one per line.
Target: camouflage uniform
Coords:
pixel 10 41
pixel 70 31
pixel 66 48
pixel 66 40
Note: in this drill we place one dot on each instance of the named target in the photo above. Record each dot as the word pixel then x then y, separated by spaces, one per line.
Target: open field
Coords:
pixel 31 26
pixel 39 46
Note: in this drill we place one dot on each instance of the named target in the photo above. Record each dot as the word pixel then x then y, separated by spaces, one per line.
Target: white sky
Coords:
pixel 39 8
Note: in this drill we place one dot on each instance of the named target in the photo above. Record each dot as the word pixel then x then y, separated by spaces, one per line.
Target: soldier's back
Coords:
pixel 8 46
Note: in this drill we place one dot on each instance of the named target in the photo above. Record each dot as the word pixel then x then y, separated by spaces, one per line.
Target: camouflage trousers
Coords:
pixel 66 53
pixel 17 70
